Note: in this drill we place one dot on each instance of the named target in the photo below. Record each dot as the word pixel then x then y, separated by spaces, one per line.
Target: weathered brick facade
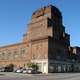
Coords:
pixel 46 43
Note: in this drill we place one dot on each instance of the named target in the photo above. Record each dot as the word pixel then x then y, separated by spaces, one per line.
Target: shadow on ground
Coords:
pixel 2 74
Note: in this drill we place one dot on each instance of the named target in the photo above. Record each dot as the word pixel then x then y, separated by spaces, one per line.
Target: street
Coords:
pixel 54 76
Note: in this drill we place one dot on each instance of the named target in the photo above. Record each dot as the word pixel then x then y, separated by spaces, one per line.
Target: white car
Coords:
pixel 24 71
pixel 31 71
pixel 19 70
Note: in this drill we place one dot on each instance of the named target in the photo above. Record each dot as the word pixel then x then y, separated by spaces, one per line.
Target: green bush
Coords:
pixel 33 66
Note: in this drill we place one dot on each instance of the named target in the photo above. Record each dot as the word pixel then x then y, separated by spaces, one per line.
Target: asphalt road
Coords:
pixel 54 76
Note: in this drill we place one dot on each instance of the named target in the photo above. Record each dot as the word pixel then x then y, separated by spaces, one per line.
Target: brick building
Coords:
pixel 46 43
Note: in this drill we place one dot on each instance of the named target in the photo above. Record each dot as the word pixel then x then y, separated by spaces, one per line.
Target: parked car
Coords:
pixel 2 69
pixel 19 71
pixel 24 71
pixel 28 71
pixel 32 71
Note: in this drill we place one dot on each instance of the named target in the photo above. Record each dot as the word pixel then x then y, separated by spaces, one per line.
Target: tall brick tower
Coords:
pixel 48 41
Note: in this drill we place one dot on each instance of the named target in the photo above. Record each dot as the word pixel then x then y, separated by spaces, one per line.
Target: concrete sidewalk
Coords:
pixel 54 76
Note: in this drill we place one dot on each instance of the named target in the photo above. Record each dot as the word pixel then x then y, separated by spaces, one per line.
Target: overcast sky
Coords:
pixel 16 14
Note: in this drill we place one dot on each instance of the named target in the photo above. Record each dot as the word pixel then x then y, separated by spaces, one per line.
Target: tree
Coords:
pixel 9 68
pixel 33 66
